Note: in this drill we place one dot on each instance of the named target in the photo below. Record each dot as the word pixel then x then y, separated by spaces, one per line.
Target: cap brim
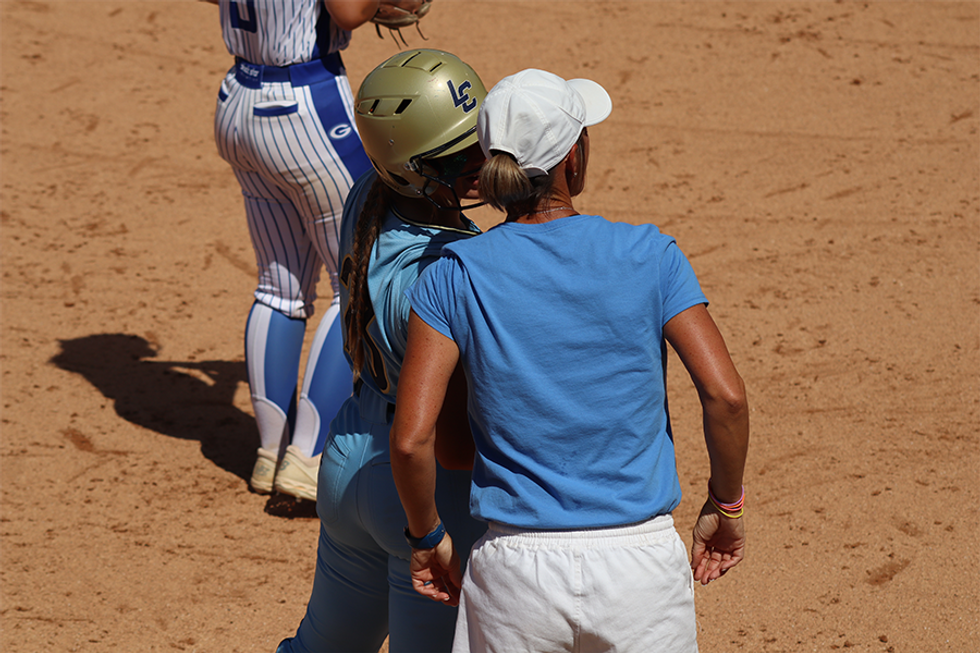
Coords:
pixel 598 104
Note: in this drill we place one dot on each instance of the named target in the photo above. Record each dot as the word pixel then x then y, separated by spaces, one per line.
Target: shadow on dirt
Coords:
pixel 282 505
pixel 190 400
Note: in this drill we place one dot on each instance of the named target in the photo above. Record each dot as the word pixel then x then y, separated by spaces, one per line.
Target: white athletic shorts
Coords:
pixel 624 589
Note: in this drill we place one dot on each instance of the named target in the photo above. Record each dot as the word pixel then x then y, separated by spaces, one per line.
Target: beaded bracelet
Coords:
pixel 730 510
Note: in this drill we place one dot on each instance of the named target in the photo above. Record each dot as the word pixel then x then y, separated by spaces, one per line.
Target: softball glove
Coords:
pixel 395 18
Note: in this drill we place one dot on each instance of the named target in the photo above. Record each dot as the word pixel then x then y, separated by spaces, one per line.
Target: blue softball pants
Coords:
pixel 362 590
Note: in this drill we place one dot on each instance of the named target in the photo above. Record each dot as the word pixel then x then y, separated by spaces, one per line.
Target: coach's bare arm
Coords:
pixel 430 361
pixel 719 541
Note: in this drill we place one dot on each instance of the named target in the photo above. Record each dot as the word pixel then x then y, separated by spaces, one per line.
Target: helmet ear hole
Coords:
pixel 393 180
pixel 401 181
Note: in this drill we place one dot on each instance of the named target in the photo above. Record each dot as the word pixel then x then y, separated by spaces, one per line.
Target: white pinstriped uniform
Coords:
pixel 287 155
pixel 284 122
pixel 285 32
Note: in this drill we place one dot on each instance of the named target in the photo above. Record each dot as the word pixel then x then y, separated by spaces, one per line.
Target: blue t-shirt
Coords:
pixel 560 330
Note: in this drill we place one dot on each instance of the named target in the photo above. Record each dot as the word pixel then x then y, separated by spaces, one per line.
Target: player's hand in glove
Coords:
pixel 395 14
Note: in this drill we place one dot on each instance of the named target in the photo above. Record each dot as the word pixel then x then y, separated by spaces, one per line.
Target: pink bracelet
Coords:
pixel 730 510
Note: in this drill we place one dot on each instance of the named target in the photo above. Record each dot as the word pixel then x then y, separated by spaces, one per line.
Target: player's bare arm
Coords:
pixel 719 541
pixel 351 14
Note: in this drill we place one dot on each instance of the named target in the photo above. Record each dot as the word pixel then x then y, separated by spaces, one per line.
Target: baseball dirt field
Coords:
pixel 817 161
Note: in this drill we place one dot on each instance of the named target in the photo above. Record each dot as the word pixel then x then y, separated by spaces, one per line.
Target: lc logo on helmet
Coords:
pixel 460 96
pixel 340 131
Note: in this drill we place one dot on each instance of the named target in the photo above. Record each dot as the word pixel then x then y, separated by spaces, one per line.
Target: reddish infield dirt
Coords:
pixel 817 161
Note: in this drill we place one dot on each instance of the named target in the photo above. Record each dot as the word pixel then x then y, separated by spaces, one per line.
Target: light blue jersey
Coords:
pixel 560 330
pixel 362 590
pixel 403 250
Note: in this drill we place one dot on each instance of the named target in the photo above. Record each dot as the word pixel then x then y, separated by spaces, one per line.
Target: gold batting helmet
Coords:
pixel 418 105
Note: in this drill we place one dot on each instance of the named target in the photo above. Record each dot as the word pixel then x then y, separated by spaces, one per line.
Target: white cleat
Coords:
pixel 264 471
pixel 297 474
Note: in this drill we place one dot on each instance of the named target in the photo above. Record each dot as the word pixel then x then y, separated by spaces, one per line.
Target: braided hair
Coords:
pixel 355 274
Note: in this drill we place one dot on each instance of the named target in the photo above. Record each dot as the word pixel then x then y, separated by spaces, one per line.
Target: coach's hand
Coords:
pixel 436 572
pixel 719 544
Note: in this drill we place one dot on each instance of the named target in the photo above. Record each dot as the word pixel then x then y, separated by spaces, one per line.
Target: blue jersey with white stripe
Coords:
pixel 279 32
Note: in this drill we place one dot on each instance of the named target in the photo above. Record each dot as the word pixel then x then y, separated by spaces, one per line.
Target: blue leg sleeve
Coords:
pixel 327 383
pixel 273 344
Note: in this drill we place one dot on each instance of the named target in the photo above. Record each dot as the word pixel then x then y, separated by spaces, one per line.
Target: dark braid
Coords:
pixel 369 224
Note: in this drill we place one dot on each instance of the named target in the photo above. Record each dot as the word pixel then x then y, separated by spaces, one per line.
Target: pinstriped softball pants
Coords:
pixel 296 153
pixel 289 136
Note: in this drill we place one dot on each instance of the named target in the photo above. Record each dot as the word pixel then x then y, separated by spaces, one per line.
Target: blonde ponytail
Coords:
pixel 506 187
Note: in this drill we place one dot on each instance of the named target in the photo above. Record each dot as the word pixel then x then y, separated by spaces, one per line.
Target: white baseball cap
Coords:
pixel 537 117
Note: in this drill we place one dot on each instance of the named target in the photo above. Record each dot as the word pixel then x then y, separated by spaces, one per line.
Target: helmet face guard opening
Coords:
pixel 415 108
pixel 450 169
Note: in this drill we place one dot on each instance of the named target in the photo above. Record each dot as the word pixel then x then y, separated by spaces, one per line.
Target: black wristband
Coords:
pixel 429 541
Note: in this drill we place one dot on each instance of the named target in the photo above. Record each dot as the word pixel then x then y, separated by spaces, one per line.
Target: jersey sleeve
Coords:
pixel 395 315
pixel 433 296
pixel 679 285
